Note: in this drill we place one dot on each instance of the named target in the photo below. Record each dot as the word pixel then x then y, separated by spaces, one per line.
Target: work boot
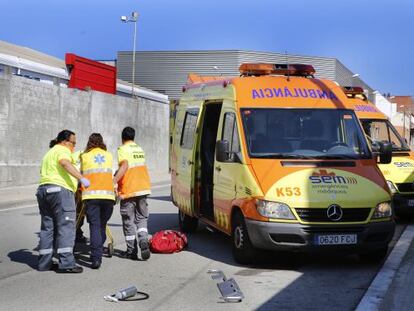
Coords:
pixel 75 269
pixel 96 264
pixel 145 250
pixel 53 267
pixel 132 256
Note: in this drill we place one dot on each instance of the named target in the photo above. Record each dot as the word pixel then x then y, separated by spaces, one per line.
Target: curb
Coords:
pixel 379 287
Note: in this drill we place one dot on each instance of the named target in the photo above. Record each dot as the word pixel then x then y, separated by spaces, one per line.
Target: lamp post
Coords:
pixel 133 19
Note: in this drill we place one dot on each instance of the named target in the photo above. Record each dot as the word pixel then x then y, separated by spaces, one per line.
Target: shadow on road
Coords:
pixel 24 256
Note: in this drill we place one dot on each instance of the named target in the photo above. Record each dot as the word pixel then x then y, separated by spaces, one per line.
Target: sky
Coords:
pixel 374 38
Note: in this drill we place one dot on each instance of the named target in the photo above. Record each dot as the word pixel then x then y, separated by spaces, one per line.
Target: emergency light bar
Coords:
pixel 354 91
pixel 260 69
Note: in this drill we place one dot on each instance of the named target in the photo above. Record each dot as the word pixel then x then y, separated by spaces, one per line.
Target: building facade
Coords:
pixel 166 71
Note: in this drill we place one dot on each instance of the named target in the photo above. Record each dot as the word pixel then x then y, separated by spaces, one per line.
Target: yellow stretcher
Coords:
pixel 82 213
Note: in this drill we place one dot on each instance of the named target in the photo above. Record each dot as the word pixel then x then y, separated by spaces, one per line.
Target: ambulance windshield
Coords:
pixel 383 131
pixel 303 133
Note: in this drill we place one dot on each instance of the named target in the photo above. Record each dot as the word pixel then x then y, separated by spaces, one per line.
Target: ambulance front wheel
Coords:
pixel 187 223
pixel 243 250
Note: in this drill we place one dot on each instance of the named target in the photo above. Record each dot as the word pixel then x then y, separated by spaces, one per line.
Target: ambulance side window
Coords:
pixel 189 127
pixel 230 131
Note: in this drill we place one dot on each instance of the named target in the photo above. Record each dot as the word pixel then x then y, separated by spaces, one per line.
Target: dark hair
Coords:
pixel 128 133
pixel 95 141
pixel 62 136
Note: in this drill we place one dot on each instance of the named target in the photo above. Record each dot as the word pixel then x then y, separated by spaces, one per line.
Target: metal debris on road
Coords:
pixel 229 290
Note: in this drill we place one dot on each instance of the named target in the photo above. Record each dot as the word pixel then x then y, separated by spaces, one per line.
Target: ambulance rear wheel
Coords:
pixel 187 223
pixel 243 250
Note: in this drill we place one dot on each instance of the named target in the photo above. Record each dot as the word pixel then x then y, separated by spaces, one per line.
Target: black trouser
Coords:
pixel 98 212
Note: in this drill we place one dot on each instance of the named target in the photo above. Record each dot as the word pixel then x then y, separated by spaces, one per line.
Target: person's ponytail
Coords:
pixel 53 142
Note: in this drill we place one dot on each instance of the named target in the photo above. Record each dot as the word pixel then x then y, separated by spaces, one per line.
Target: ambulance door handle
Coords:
pixel 189 162
pixel 218 168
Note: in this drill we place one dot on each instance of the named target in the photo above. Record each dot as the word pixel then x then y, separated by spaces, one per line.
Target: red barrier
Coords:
pixel 88 74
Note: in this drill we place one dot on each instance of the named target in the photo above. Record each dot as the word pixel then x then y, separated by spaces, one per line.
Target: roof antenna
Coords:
pixel 287 66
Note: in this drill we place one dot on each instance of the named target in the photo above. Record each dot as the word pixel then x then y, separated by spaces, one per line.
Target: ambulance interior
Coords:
pixel 205 165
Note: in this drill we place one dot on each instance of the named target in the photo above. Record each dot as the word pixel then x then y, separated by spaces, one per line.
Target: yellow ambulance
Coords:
pixel 400 172
pixel 275 159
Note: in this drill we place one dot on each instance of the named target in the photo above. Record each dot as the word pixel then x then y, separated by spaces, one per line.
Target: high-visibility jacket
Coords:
pixel 51 172
pixel 96 165
pixel 136 181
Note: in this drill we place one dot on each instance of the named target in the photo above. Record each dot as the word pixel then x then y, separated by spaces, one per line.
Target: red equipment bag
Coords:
pixel 168 241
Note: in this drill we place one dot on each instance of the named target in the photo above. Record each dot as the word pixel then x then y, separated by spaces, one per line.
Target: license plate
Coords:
pixel 410 202
pixel 335 239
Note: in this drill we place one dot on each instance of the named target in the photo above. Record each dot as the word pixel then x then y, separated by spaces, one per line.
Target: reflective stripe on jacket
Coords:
pixel 96 165
pixel 136 181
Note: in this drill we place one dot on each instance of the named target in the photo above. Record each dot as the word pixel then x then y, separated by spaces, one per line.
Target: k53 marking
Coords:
pixel 288 191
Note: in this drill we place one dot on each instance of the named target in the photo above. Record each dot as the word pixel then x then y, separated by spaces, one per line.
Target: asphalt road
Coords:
pixel 174 282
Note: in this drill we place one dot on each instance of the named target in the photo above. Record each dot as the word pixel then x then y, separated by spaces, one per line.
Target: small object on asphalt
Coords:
pixel 229 290
pixel 122 294
pixel 125 295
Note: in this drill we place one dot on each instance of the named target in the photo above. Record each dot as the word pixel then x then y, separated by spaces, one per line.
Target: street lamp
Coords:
pixel 133 19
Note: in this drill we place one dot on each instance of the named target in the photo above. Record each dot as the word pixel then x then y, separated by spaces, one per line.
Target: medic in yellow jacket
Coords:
pixel 99 198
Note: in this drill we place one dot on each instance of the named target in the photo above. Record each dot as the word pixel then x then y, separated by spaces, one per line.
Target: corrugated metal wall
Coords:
pixel 166 71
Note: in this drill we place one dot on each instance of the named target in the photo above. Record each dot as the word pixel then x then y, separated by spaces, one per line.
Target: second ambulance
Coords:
pixel 400 172
pixel 276 159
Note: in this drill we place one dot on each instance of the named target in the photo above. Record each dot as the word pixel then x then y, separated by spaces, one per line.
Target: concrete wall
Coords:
pixel 32 113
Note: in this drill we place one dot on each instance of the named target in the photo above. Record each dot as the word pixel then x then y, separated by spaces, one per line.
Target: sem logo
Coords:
pixel 403 164
pixel 324 177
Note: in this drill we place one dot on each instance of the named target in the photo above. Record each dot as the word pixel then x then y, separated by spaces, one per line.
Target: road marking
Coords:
pixel 376 292
pixel 16 208
pixel 31 205
pixel 160 186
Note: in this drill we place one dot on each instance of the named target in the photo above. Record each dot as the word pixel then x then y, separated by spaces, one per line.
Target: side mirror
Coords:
pixel 222 151
pixel 375 145
pixel 385 152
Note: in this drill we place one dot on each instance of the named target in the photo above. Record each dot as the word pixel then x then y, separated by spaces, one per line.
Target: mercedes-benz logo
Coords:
pixel 334 212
